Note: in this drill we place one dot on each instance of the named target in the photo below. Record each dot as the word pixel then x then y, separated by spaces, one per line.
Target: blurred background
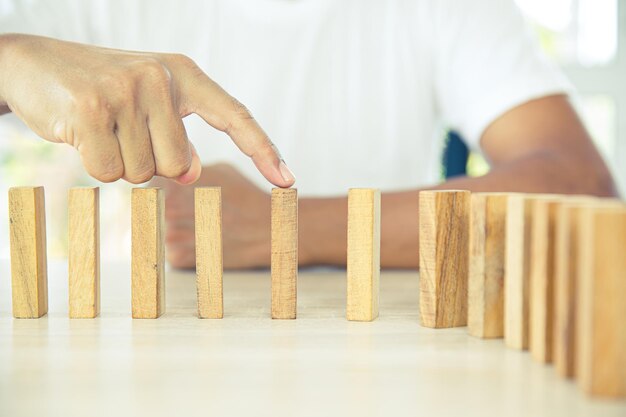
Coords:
pixel 586 37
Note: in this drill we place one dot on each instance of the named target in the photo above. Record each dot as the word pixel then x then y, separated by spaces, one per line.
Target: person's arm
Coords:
pixel 123 110
pixel 539 147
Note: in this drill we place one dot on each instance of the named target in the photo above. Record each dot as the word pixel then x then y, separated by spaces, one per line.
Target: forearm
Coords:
pixel 323 222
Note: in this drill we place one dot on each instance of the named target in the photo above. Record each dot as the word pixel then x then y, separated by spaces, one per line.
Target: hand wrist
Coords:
pixel 322 234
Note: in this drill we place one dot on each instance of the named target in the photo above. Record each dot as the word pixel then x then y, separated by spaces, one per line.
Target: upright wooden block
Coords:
pixel 485 314
pixel 284 263
pixel 542 277
pixel 27 218
pixel 209 268
pixel 601 333
pixel 443 240
pixel 84 252
pixel 363 264
pixel 517 271
pixel 148 274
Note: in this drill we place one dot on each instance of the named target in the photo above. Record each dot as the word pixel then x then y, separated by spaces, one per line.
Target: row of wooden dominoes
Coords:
pixel 28 253
pixel 545 272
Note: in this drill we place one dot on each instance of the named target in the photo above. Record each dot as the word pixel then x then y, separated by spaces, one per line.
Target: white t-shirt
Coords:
pixel 355 93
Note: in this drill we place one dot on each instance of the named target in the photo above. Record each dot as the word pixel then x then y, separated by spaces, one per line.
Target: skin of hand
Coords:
pixel 245 219
pixel 540 146
pixel 123 110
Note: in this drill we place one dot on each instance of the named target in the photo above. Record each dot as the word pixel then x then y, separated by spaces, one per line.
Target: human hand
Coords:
pixel 245 219
pixel 122 110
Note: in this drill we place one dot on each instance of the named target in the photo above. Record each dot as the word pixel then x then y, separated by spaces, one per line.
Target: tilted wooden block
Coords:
pixel 566 258
pixel 443 252
pixel 209 268
pixel 148 273
pixel 542 277
pixel 363 263
pixel 284 262
pixel 27 218
pixel 84 252
pixel 600 332
pixel 485 314
pixel 517 271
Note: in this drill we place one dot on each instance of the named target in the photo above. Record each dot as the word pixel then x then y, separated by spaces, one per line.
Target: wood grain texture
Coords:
pixel 517 271
pixel 147 265
pixel 84 252
pixel 284 262
pixel 209 266
pixel 485 306
pixel 363 263
pixel 601 333
pixel 542 278
pixel 443 242
pixel 29 279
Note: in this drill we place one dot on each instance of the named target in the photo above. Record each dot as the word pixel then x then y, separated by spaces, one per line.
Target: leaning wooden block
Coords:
pixel 209 268
pixel 363 264
pixel 29 278
pixel 147 265
pixel 84 252
pixel 485 314
pixel 284 262
pixel 568 244
pixel 517 271
pixel 443 240
pixel 601 333
pixel 542 277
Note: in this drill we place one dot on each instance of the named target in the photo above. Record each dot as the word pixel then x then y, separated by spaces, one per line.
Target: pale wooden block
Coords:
pixel 148 273
pixel 84 252
pixel 443 242
pixel 567 247
pixel 209 267
pixel 363 263
pixel 541 308
pixel 566 257
pixel 485 313
pixel 29 279
pixel 284 262
pixel 600 329
pixel 517 271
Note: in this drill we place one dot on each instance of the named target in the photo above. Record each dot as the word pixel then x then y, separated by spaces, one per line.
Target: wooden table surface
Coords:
pixel 248 364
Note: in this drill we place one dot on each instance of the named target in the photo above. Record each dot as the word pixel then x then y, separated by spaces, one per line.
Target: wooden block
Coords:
pixel 29 279
pixel 443 240
pixel 284 263
pixel 485 313
pixel 567 244
pixel 541 308
pixel 363 264
pixel 148 274
pixel 209 268
pixel 84 252
pixel 601 333
pixel 517 271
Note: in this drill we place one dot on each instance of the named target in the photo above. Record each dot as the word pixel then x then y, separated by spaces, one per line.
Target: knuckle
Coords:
pixel 90 102
pixel 183 59
pixel 140 177
pixel 108 167
pixel 153 70
pixel 237 116
pixel 107 173
pixel 177 166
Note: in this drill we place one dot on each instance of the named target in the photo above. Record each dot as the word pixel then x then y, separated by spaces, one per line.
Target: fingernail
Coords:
pixel 286 173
